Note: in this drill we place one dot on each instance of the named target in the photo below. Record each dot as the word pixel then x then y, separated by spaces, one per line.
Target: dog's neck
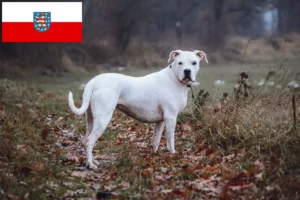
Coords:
pixel 175 78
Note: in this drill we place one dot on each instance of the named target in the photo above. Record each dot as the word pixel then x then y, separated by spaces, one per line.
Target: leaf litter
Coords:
pixel 127 166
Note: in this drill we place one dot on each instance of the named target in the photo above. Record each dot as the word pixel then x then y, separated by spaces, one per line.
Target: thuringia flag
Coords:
pixel 41 22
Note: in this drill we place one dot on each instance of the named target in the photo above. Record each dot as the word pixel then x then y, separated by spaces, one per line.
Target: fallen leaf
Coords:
pixel 229 157
pixel 251 171
pixel 187 127
pixel 154 183
pixel 81 174
pixel 10 122
pixel 269 188
pixel 259 176
pixel 67 184
pixel 208 151
pixel 125 184
pixel 80 191
pixel 109 187
pixel 255 125
pixel 205 176
pixel 95 186
pixel 211 157
pixel 146 172
pixel 133 128
pixel 66 143
pixel 166 191
pixel 74 159
pixel 59 151
pixel 201 126
pixel 38 167
pixel 115 194
pixel 44 134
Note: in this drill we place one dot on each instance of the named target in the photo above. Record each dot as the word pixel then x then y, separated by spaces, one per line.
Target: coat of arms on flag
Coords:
pixel 42 21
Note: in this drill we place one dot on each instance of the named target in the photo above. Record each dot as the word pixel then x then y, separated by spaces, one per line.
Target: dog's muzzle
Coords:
pixel 187 75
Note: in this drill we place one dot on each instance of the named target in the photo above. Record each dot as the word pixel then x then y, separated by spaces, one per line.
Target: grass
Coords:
pixel 262 123
pixel 226 149
pixel 207 76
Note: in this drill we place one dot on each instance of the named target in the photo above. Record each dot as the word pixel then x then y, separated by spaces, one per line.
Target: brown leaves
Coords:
pixel 125 184
pixel 187 127
pixel 73 159
pixel 255 125
pixel 146 172
pixel 59 151
pixel 11 122
pixel 37 167
pixel 96 186
pixel 133 128
pixel 213 184
pixel 1 110
pixel 66 143
pixel 109 187
pixel 45 133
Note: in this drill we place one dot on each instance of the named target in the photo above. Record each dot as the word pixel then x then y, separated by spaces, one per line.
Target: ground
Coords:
pixel 219 155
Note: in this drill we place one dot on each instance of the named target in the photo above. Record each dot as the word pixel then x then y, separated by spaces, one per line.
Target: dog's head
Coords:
pixel 186 64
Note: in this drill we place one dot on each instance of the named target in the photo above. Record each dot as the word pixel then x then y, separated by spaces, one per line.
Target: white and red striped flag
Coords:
pixel 41 21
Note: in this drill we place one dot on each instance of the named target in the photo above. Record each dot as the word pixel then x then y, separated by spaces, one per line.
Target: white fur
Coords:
pixel 154 98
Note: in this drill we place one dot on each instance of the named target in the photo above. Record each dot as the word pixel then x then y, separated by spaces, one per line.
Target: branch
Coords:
pixel 193 6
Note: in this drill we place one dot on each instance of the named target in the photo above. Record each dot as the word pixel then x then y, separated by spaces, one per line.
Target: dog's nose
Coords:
pixel 187 72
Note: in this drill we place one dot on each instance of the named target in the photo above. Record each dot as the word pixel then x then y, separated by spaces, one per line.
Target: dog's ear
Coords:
pixel 173 55
pixel 202 55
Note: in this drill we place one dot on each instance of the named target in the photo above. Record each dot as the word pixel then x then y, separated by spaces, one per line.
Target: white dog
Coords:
pixel 155 98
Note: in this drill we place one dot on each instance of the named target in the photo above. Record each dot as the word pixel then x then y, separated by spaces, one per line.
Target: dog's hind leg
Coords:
pixel 102 111
pixel 89 127
pixel 89 122
pixel 157 135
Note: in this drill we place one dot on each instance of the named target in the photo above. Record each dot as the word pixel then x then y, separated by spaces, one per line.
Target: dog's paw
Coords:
pixel 168 146
pixel 154 149
pixel 172 151
pixel 97 163
pixel 91 166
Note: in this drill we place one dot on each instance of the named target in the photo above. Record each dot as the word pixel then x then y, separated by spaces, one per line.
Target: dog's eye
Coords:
pixel 194 63
pixel 180 63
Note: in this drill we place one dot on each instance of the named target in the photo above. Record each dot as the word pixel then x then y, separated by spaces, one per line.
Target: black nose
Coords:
pixel 187 72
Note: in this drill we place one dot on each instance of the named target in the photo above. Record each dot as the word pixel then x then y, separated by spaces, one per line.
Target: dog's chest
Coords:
pixel 143 114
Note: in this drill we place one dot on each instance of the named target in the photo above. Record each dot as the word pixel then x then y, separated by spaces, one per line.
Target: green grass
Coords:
pixel 207 75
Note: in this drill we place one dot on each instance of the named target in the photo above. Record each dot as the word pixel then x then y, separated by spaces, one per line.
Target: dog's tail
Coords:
pixel 86 97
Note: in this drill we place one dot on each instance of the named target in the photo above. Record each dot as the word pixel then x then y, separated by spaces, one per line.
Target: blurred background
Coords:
pixel 130 34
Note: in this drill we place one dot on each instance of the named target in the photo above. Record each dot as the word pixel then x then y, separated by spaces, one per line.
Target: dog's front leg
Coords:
pixel 157 135
pixel 170 129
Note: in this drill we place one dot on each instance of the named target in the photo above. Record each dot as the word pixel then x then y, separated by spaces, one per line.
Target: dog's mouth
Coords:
pixel 187 79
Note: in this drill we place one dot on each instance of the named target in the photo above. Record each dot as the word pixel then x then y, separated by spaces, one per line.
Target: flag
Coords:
pixel 41 21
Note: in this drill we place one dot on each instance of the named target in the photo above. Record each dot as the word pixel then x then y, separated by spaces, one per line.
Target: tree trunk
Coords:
pixel 86 13
pixel 178 23
pixel 218 30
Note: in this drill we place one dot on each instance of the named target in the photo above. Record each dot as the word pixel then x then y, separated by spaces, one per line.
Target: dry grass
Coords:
pixel 260 122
